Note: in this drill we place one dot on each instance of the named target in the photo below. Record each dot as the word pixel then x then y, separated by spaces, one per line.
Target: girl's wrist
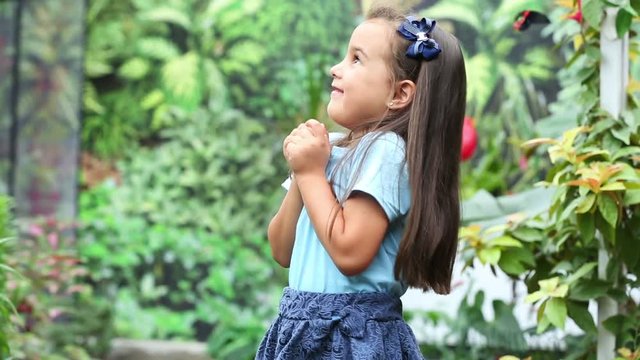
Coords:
pixel 309 176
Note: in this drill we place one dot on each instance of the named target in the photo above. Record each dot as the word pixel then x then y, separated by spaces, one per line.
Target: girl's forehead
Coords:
pixel 373 36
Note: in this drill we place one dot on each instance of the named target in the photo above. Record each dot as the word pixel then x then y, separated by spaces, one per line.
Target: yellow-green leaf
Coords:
pixel 548 285
pixel 506 241
pixel 560 292
pixel 614 186
pixel 489 256
pixel 586 204
pixel 533 297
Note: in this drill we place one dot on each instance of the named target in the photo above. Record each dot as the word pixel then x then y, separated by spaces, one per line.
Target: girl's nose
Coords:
pixel 334 70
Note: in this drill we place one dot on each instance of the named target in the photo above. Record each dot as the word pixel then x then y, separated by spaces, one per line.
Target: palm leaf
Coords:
pixel 458 10
pixel 134 69
pixel 157 48
pixel 481 81
pixel 168 15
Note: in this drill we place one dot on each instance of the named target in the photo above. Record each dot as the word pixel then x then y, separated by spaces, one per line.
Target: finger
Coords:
pixel 313 122
pixel 305 131
pixel 316 127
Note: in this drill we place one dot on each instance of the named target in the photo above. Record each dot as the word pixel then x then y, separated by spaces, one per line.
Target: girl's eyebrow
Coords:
pixel 360 50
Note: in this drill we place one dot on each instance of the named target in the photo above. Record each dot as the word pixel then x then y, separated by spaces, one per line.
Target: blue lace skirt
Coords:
pixel 339 326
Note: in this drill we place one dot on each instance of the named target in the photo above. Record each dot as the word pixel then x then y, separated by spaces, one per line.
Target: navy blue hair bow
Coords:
pixel 418 31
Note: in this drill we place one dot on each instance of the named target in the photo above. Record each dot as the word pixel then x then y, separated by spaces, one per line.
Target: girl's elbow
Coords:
pixel 284 261
pixel 352 265
pixel 350 258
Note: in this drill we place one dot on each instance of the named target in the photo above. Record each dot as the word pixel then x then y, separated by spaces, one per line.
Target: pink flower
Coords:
pixel 54 313
pixel 53 240
pixel 523 164
pixel 35 230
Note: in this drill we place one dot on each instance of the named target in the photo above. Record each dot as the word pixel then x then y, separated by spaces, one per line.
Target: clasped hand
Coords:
pixel 307 148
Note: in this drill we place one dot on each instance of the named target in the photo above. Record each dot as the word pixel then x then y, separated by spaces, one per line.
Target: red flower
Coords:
pixel 577 16
pixel 25 308
pixel 469 138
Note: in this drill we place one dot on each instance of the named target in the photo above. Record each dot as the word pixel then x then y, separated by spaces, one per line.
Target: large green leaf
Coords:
pixel 483 208
pixel 513 260
pixel 182 79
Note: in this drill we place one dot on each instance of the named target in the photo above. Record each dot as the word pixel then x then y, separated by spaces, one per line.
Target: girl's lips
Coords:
pixel 336 91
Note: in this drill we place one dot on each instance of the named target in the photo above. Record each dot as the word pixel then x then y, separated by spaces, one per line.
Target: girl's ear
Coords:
pixel 404 92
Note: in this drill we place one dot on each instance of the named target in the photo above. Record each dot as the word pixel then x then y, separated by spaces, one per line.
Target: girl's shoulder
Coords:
pixel 385 141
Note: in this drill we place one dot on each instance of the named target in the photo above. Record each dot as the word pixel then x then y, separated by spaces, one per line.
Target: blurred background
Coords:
pixel 140 162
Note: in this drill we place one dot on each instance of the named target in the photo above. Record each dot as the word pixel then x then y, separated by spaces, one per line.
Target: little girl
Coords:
pixel 371 213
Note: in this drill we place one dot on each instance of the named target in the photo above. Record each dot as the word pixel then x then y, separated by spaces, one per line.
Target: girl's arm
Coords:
pixel 282 228
pixel 351 234
pixel 359 227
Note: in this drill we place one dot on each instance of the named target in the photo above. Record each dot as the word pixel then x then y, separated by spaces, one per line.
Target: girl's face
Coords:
pixel 362 86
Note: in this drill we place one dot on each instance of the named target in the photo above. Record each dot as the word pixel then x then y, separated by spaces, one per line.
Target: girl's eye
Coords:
pixel 356 59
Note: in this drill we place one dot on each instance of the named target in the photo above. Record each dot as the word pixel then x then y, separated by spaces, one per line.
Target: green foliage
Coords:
pixel 506 74
pixel 183 54
pixel 217 171
pixel 595 178
pixel 6 307
pixel 470 335
pixel 299 42
pixel 180 246
pixel 163 62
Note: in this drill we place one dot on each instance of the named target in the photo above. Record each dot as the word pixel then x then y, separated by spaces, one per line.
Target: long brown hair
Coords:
pixel 431 127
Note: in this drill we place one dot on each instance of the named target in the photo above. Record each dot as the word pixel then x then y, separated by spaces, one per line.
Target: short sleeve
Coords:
pixel 380 169
pixel 286 184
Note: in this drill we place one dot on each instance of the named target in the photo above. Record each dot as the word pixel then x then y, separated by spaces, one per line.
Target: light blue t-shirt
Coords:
pixel 384 176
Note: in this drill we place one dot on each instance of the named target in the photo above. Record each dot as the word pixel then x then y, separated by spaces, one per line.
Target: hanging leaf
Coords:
pixel 631 197
pixel 581 316
pixel 587 227
pixel 609 209
pixel 556 311
pixel 623 22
